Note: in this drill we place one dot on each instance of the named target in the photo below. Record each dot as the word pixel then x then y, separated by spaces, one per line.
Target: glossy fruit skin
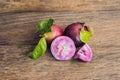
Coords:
pixel 73 30
pixel 63 48
pixel 85 53
pixel 55 32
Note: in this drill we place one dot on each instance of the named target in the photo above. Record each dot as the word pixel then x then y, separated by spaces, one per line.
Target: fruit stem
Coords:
pixel 82 23
pixel 90 29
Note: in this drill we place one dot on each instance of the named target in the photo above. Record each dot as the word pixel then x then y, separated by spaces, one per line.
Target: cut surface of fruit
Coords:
pixel 63 48
pixel 84 53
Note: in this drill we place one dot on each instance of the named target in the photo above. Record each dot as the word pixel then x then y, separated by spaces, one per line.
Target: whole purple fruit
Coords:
pixel 79 33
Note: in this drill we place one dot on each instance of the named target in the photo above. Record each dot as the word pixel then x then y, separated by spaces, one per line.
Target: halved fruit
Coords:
pixel 63 48
pixel 84 53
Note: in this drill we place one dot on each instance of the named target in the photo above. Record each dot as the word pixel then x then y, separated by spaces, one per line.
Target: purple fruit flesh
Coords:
pixel 63 48
pixel 84 53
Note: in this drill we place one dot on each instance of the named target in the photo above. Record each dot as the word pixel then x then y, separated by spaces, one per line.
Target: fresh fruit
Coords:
pixel 79 33
pixel 84 53
pixel 55 32
pixel 63 48
pixel 49 30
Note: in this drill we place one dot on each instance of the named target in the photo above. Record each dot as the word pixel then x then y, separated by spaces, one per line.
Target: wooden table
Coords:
pixel 18 36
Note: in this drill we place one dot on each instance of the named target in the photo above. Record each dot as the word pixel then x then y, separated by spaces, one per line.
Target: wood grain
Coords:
pixel 18 36
pixel 58 5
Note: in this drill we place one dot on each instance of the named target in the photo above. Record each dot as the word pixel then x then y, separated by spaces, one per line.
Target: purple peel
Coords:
pixel 84 54
pixel 63 48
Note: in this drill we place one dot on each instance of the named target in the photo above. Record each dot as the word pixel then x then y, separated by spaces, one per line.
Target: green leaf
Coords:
pixel 85 36
pixel 45 26
pixel 39 50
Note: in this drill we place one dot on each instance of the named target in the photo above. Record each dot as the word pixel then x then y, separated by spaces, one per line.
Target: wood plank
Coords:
pixel 58 5
pixel 18 36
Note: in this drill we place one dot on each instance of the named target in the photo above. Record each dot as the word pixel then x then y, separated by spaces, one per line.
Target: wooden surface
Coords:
pixel 58 5
pixel 18 36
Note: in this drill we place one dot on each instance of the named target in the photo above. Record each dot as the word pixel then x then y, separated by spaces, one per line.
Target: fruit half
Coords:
pixel 84 53
pixel 63 48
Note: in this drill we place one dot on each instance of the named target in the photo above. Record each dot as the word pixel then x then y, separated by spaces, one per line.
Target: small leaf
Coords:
pixel 45 26
pixel 85 36
pixel 39 50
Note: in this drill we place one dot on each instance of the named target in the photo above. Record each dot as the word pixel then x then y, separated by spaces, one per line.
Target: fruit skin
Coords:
pixel 63 48
pixel 85 53
pixel 73 30
pixel 55 32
